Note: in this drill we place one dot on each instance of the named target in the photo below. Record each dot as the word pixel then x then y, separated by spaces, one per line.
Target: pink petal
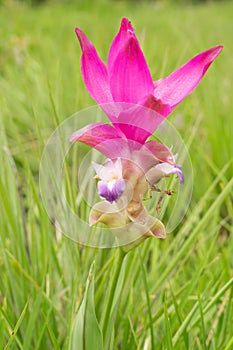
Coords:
pixel 130 78
pixel 126 30
pixel 133 132
pixel 158 106
pixel 151 154
pixel 94 71
pixel 93 134
pixel 104 138
pixel 174 88
pixel 160 151
pixel 139 122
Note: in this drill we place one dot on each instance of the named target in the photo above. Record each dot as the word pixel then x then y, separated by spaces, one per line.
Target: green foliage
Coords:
pixel 176 293
pixel 86 333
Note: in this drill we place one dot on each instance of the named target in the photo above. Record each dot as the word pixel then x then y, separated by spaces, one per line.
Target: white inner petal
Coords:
pixel 109 171
pixel 111 184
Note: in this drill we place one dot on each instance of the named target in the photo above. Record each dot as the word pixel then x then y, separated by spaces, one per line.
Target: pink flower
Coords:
pixel 127 78
pixel 135 105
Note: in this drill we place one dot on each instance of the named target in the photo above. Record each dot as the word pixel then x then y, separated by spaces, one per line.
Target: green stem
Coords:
pixel 118 263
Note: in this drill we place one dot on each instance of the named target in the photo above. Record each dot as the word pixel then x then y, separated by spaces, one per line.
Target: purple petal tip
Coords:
pixel 111 192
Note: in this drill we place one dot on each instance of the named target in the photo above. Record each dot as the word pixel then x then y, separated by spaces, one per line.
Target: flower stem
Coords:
pixel 107 316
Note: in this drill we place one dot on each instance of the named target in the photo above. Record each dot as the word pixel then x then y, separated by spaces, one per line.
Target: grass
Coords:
pixel 177 292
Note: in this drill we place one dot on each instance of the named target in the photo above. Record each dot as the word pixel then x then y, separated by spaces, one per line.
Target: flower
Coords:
pixel 135 105
pixel 112 185
pixel 127 78
pixel 130 171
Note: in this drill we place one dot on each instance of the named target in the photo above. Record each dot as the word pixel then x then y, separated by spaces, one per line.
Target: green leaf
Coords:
pixel 169 344
pixel 114 299
pixel 2 329
pixel 14 335
pixel 87 334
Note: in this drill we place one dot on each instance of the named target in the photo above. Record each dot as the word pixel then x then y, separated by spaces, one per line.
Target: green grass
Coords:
pixel 177 292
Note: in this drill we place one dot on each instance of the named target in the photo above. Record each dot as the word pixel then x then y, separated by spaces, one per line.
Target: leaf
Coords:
pixel 14 335
pixel 120 276
pixel 168 337
pixel 87 334
pixel 2 329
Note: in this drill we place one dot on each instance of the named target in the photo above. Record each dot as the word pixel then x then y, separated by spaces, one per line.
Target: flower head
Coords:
pixel 135 106
pixel 112 185
pixel 127 78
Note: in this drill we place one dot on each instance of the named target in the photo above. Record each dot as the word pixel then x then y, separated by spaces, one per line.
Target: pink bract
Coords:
pixel 127 79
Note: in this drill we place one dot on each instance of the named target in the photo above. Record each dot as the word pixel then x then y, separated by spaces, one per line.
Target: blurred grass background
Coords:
pixel 42 275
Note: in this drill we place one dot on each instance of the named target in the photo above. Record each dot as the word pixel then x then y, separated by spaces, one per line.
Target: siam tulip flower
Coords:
pixel 127 78
pixel 130 171
pixel 135 105
pixel 112 185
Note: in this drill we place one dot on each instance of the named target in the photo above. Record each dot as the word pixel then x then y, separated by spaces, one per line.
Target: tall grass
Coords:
pixel 178 292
